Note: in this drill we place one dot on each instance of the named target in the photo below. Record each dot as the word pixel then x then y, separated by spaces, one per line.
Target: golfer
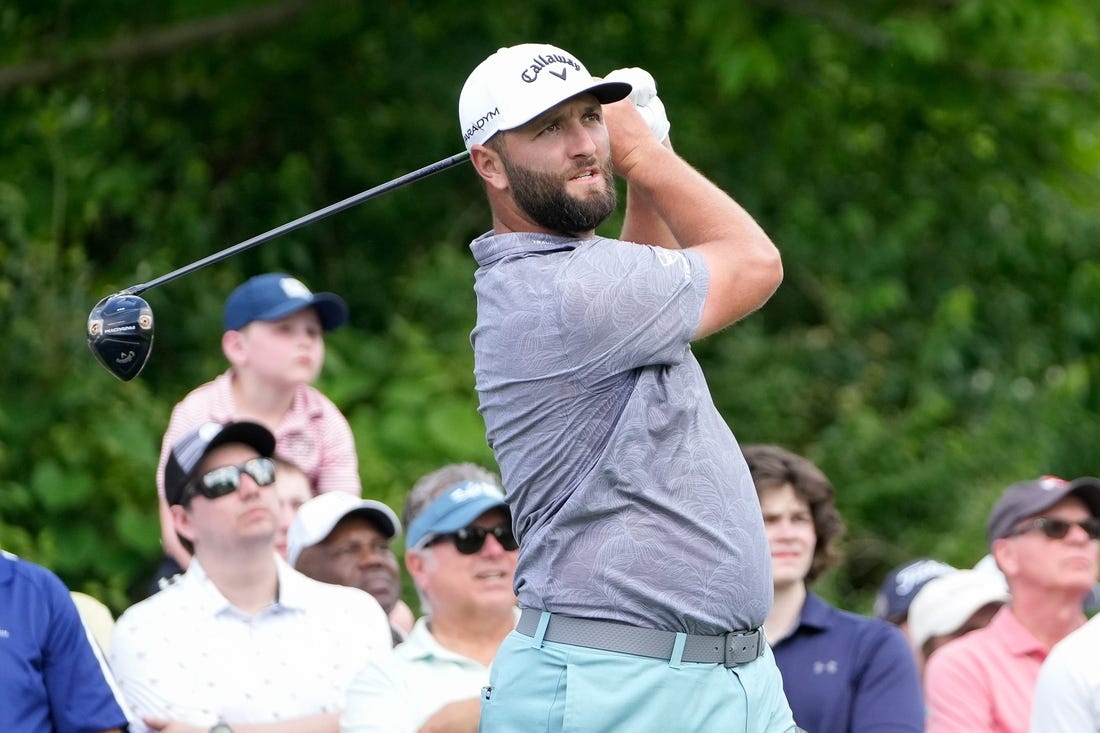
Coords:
pixel 644 574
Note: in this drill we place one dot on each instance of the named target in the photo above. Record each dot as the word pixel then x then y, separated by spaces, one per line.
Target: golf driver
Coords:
pixel 120 326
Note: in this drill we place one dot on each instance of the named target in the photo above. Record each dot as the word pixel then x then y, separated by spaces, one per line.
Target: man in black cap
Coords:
pixel 1043 535
pixel 241 639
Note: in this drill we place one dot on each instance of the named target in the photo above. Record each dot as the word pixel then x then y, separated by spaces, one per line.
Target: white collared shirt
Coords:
pixel 188 654
pixel 396 695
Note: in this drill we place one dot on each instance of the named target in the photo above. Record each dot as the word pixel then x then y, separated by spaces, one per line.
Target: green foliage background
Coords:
pixel 930 170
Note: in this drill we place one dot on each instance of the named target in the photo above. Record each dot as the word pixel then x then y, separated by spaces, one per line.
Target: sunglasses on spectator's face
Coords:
pixel 1057 529
pixel 470 540
pixel 227 479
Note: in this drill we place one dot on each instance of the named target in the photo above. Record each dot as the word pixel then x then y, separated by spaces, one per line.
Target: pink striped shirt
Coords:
pixel 314 434
pixel 983 682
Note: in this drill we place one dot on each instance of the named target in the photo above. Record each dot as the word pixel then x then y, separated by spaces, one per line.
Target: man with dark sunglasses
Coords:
pixel 241 641
pixel 461 553
pixel 1043 535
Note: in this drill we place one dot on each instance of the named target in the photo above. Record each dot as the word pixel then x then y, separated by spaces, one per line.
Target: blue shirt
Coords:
pixel 845 673
pixel 50 676
pixel 629 494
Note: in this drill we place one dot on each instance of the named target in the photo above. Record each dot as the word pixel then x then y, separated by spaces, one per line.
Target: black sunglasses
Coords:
pixel 1057 529
pixel 470 540
pixel 227 479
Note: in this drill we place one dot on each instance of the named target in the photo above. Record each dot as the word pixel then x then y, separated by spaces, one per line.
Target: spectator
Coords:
pixel 643 560
pixel 292 488
pixel 1067 694
pixel 241 638
pixel 338 538
pixel 952 605
pixel 901 585
pixel 842 673
pixel 1042 534
pixel 273 342
pixel 97 619
pixel 52 678
pixel 462 555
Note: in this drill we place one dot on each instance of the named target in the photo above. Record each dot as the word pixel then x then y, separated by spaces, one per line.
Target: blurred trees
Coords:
pixel 930 171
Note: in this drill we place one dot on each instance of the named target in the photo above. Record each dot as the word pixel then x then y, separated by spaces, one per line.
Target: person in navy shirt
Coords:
pixel 52 678
pixel 842 672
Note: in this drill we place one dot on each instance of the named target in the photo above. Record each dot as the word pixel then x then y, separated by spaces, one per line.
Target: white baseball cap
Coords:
pixel 317 517
pixel 518 83
pixel 945 603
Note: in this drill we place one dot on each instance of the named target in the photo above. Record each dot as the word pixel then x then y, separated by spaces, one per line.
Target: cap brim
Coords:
pixel 460 517
pixel 331 309
pixel 605 93
pixel 610 91
pixel 1086 488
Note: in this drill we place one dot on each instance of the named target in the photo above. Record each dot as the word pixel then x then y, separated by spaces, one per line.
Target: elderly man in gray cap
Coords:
pixel 1043 535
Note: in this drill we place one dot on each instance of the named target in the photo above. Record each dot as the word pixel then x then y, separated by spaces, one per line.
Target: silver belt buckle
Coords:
pixel 742 647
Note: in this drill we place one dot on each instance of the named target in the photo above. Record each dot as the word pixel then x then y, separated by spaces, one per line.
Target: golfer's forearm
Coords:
pixel 642 222
pixel 695 210
pixel 743 264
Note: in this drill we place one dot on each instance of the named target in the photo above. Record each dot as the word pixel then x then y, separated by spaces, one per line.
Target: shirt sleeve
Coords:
pixel 136 660
pixel 625 306
pixel 339 467
pixel 888 697
pixel 77 680
pixel 378 702
pixel 1064 700
pixel 956 694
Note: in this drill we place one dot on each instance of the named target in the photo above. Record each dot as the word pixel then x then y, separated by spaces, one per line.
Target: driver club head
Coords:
pixel 120 334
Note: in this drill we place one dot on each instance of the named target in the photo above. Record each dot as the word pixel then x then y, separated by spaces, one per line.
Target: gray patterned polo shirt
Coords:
pixel 629 494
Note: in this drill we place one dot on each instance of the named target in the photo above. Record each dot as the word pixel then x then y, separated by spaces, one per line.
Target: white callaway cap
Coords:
pixel 945 603
pixel 317 518
pixel 518 83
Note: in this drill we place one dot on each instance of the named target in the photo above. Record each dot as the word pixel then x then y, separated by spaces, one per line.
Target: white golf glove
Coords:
pixel 644 96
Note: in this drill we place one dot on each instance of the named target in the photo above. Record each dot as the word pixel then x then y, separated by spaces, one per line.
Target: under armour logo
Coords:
pixel 829 667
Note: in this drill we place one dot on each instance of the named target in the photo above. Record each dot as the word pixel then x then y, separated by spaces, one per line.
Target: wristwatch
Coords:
pixel 221 728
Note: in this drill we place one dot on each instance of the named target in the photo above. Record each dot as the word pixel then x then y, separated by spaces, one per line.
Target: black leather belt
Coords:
pixel 730 649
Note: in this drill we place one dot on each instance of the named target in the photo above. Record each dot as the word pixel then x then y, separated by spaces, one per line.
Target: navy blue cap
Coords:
pixel 452 510
pixel 276 295
pixel 901 585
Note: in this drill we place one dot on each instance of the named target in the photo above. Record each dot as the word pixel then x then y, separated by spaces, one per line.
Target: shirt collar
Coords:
pixel 289 597
pixel 816 614
pixel 1018 639
pixel 490 247
pixel 421 645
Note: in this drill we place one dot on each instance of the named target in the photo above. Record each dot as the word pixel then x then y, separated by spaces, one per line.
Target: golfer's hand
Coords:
pixel 644 96
pixel 630 136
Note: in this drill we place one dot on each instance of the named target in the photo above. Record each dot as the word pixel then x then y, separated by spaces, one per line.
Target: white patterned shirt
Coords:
pixel 187 654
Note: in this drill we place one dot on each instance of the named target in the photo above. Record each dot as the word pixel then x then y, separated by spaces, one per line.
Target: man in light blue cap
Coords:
pixel 461 553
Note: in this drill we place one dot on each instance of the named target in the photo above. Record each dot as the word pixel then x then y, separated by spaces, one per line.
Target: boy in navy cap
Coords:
pixel 274 343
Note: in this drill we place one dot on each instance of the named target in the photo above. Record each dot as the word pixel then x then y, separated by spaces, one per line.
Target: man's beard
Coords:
pixel 542 196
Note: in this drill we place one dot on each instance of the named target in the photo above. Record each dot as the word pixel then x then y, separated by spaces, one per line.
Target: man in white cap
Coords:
pixel 241 642
pixel 952 605
pixel 643 559
pixel 1043 536
pixel 342 539
pixel 461 553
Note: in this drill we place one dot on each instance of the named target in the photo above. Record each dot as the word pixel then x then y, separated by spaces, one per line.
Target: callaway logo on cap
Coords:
pixel 518 83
